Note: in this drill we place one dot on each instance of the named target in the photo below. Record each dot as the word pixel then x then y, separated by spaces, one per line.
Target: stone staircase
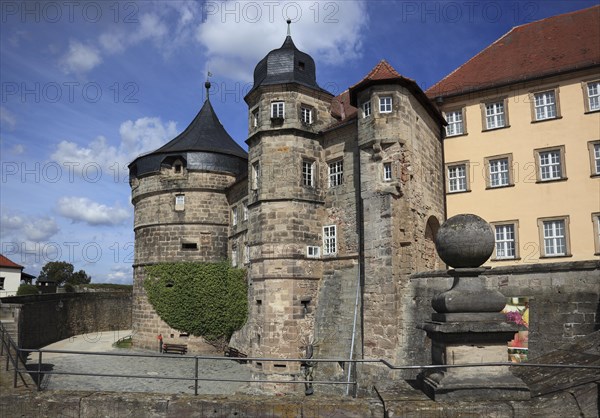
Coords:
pixel 11 328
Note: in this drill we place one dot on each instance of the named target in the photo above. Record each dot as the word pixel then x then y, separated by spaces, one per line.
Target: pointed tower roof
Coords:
pixel 286 64
pixel 384 73
pixel 205 133
pixel 204 143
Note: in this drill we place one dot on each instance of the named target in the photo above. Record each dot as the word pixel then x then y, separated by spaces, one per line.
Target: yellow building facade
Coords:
pixel 523 150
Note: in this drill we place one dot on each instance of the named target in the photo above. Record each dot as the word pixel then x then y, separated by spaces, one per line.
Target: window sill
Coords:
pixel 556 256
pixel 458 192
pixel 499 187
pixel 495 129
pixel 595 176
pixel 552 180
pixel 505 259
pixel 546 120
pixel 587 112
pixel 456 135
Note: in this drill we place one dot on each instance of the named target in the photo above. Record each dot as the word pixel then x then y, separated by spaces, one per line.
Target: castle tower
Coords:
pixel 287 109
pixel 399 135
pixel 181 211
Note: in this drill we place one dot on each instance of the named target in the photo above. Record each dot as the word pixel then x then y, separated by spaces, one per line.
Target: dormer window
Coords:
pixel 277 110
pixel 301 65
pixel 177 167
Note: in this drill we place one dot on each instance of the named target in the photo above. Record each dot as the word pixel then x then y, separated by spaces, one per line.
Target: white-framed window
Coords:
pixel 234 216
pixel 255 120
pixel 179 202
pixel 499 172
pixel 234 255
pixel 593 95
pixel 550 165
pixel 385 104
pixel 387 171
pixel 594 148
pixel 245 210
pixel 555 237
pixel 313 251
pixel 545 105
pixel 329 240
pixel 505 241
pixel 277 110
pixel 336 173
pixel 366 107
pixel 306 115
pixel 455 123
pixel 495 116
pixel 2 279
pixel 255 175
pixel 308 175
pixel 457 178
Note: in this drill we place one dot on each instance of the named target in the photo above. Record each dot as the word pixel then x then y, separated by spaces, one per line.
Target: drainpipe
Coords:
pixel 360 219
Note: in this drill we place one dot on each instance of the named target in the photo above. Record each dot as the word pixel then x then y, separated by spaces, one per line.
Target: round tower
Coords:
pixel 181 211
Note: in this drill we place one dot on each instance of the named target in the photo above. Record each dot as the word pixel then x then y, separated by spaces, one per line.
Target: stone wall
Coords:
pixel 45 319
pixel 564 302
pixel 196 229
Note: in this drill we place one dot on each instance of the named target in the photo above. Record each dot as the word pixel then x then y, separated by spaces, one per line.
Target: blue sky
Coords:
pixel 86 86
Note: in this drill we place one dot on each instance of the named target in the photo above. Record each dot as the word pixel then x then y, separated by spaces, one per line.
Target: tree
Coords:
pixel 62 273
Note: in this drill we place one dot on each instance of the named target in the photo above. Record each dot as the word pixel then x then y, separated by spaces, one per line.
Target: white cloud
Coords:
pixel 120 274
pixel 241 35
pixel 111 42
pixel 20 227
pixel 17 149
pixel 137 137
pixel 82 209
pixel 7 118
pixel 80 58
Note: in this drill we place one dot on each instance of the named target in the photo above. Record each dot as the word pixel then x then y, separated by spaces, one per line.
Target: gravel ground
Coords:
pixel 149 368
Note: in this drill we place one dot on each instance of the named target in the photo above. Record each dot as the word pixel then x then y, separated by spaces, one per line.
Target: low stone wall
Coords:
pixel 45 319
pixel 564 302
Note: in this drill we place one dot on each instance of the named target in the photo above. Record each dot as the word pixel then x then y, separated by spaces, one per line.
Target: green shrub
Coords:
pixel 27 289
pixel 203 299
pixel 69 288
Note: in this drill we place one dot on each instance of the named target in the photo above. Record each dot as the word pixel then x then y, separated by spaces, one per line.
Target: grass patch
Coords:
pixel 123 343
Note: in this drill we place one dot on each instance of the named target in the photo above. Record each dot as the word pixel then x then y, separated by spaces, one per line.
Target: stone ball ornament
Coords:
pixel 465 241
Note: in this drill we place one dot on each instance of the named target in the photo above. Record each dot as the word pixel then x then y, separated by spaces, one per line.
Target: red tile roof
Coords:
pixel 5 262
pixel 553 45
pixel 341 108
pixel 382 71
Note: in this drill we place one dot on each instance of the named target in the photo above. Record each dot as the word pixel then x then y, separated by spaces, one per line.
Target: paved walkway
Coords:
pixel 147 367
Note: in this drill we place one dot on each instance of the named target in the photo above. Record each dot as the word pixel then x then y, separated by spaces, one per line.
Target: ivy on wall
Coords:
pixel 203 299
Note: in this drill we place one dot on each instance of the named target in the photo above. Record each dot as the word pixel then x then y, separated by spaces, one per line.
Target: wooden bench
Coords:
pixel 236 354
pixel 175 348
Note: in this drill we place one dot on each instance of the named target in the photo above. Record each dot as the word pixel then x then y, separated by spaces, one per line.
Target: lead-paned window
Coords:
pixel 336 173
pixel 329 240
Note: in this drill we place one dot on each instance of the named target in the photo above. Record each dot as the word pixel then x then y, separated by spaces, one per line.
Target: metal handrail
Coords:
pixel 6 341
pixel 197 379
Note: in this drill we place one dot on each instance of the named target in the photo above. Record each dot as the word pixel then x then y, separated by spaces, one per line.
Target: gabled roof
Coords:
pixel 384 73
pixel 5 262
pixel 205 133
pixel 554 45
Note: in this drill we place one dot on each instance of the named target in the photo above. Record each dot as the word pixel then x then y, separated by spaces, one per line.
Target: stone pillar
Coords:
pixel 468 326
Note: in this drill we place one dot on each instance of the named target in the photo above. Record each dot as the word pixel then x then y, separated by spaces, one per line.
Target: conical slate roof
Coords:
pixel 286 65
pixel 204 143
pixel 205 133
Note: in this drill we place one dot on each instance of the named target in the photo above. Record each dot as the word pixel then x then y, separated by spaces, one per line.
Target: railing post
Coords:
pixel 196 376
pixel 7 356
pixel 39 376
pixel 2 344
pixel 16 364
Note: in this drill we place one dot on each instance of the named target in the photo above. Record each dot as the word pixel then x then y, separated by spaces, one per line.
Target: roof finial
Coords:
pixel 289 22
pixel 207 84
